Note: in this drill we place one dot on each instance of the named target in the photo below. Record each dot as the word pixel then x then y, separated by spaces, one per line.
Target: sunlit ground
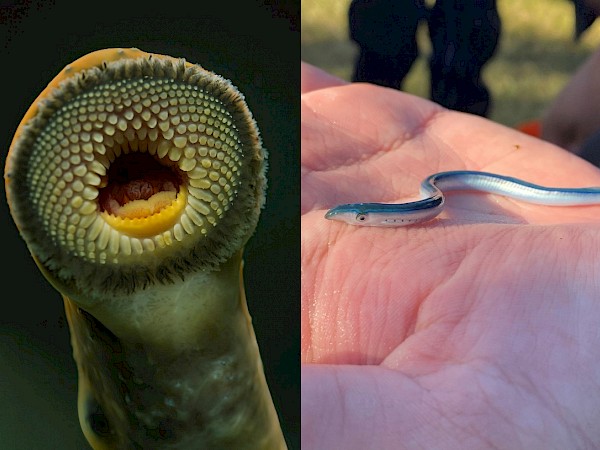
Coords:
pixel 536 55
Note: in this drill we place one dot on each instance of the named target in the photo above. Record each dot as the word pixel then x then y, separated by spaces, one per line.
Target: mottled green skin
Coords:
pixel 203 387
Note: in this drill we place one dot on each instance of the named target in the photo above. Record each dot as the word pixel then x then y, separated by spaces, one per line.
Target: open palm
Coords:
pixel 480 329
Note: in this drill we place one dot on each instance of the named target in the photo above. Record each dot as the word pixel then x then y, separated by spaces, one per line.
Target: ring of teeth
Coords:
pixel 184 128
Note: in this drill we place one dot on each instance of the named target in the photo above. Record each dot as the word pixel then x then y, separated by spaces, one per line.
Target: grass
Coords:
pixel 535 58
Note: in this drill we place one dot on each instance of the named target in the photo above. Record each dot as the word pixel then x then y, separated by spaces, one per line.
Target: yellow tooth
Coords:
pixel 187 164
pixel 174 154
pixel 163 149
pixel 180 141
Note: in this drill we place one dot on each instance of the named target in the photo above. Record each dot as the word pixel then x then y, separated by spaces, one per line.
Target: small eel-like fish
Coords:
pixel 432 204
pixel 136 179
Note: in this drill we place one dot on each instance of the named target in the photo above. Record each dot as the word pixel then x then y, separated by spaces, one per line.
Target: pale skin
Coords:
pixel 477 330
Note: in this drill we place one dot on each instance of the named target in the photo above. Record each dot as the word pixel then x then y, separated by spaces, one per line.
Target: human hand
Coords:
pixel 574 115
pixel 477 330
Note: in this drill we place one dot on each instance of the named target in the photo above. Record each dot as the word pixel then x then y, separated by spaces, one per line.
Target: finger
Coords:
pixel 313 79
pixel 346 127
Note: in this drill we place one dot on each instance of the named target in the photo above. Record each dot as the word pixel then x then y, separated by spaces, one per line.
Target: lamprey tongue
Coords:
pixel 136 179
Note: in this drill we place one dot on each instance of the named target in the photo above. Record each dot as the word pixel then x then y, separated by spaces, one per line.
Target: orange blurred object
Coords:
pixel 531 127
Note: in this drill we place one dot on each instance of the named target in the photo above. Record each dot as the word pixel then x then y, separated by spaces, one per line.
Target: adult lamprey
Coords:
pixel 136 179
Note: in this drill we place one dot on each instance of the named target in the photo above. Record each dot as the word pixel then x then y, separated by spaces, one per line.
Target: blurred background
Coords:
pixel 254 44
pixel 536 55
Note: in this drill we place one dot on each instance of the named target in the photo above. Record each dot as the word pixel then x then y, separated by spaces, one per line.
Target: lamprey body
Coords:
pixel 136 179
pixel 434 187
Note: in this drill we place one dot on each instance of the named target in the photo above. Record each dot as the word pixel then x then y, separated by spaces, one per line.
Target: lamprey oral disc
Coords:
pixel 136 179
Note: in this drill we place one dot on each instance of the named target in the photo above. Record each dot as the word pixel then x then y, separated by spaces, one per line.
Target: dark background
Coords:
pixel 252 43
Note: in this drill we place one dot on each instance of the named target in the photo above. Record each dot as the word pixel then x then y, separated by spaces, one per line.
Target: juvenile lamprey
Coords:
pixel 136 180
pixel 433 190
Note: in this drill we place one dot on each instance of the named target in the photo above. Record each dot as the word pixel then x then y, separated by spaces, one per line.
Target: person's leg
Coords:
pixel 385 33
pixel 464 36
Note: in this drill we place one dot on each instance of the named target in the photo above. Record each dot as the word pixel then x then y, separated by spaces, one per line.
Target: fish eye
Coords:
pixel 361 217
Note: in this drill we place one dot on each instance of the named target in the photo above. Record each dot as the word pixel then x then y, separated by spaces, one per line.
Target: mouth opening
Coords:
pixel 137 185
pixel 141 194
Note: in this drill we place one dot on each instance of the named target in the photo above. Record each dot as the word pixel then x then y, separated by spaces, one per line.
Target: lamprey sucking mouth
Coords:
pixel 136 179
